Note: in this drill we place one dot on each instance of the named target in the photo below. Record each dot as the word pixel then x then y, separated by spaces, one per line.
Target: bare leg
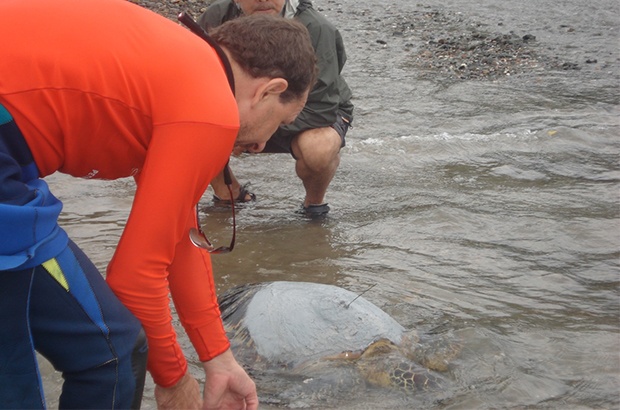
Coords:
pixel 221 190
pixel 318 156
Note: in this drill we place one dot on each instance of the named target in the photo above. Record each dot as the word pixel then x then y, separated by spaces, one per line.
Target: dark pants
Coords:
pixel 54 300
pixel 65 311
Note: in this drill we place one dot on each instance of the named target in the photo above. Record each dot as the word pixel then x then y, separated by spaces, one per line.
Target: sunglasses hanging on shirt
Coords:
pixel 196 235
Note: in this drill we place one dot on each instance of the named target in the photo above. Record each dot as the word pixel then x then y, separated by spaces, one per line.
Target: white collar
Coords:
pixel 290 8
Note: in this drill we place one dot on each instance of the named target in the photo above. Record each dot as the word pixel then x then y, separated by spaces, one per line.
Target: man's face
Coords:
pixel 259 123
pixel 261 6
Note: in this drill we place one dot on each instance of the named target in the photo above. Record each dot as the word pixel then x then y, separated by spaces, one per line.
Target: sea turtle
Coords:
pixel 325 336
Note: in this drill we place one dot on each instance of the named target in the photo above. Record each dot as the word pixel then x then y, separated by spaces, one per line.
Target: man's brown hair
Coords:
pixel 271 47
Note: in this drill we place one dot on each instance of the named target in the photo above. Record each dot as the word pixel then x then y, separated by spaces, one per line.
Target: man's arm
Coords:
pixel 181 160
pixel 220 11
pixel 330 92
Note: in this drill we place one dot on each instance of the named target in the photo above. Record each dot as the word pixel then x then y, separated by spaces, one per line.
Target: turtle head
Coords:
pixel 380 347
pixel 383 364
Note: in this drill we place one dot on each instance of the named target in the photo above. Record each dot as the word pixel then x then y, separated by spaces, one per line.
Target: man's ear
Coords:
pixel 272 88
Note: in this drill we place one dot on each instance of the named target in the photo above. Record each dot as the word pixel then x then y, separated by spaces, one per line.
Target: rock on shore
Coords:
pixel 434 42
pixel 171 8
pixel 441 44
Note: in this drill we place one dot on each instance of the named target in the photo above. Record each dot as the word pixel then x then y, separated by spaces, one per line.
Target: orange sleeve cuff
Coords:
pixel 193 292
pixel 209 340
pixel 167 365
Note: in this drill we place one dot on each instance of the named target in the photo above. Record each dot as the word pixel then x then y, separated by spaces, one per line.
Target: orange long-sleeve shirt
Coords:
pixel 106 89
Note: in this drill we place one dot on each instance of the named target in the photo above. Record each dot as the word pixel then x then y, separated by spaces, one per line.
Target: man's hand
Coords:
pixel 183 395
pixel 227 385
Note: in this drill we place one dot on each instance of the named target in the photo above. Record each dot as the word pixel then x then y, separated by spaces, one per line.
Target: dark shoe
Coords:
pixel 242 197
pixel 314 211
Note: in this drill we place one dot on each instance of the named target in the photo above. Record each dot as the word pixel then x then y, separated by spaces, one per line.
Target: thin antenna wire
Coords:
pixel 357 297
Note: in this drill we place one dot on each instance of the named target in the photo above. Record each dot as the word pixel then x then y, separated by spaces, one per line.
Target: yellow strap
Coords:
pixel 54 269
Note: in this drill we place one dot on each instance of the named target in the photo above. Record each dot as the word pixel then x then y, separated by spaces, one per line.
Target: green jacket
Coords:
pixel 331 94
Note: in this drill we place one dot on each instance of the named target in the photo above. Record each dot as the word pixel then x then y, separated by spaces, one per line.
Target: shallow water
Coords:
pixel 487 210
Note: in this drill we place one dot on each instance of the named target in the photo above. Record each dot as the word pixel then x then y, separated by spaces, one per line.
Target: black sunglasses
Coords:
pixel 198 237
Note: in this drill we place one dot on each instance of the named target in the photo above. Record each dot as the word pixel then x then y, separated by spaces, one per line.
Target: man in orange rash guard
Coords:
pixel 106 89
